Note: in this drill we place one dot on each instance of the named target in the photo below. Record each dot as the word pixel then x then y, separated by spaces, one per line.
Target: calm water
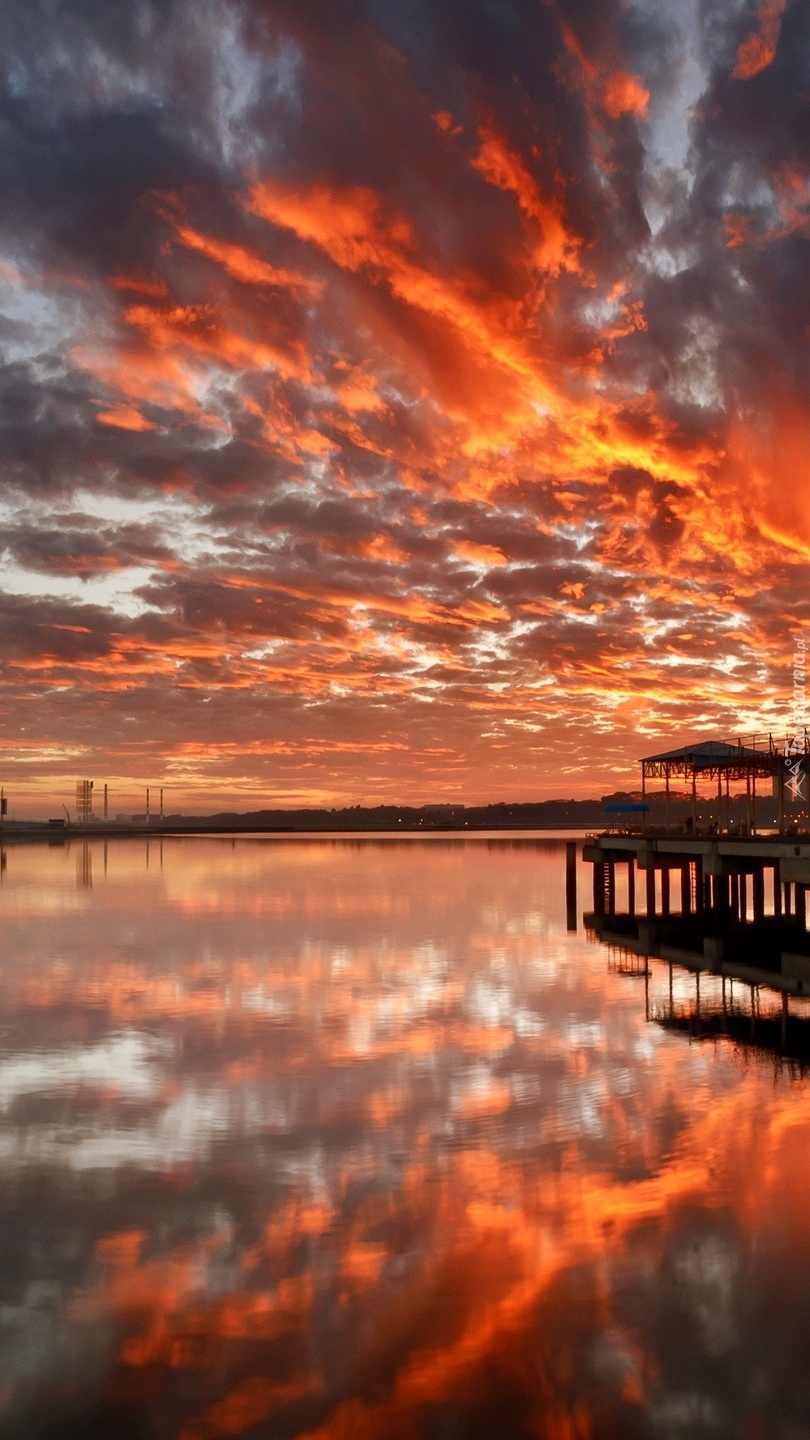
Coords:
pixel 351 1138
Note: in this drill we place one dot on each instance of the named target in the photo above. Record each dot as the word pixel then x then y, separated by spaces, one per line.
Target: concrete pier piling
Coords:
pixel 724 873
pixel 571 884
pixel 723 918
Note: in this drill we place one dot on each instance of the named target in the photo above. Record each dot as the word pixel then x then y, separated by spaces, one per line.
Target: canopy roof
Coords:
pixel 778 760
pixel 708 754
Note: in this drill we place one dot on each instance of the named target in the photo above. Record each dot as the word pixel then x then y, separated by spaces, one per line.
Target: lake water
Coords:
pixel 353 1140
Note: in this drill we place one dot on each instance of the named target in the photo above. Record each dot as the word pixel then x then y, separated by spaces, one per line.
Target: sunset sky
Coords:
pixel 402 400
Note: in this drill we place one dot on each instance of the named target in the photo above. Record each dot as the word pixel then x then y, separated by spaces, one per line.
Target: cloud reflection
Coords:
pixel 323 1139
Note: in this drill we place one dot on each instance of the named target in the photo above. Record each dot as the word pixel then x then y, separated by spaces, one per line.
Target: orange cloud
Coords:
pixel 349 224
pixel 353 228
pixel 141 285
pixel 502 166
pixel 143 373
pixel 737 230
pixel 243 265
pixel 770 454
pixel 757 52
pixel 124 417
pixel 444 121
pixel 480 554
pixel 198 328
pixel 625 94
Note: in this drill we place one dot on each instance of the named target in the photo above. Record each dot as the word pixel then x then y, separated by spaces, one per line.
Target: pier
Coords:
pixel 730 911
pixel 721 873
pixel 733 878
pixel 726 904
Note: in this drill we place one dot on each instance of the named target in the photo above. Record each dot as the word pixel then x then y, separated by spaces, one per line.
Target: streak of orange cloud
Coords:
pixel 352 227
pixel 148 375
pixel 199 328
pixel 124 417
pixel 480 554
pixel 141 285
pixel 243 265
pixel 247 1405
pixel 502 166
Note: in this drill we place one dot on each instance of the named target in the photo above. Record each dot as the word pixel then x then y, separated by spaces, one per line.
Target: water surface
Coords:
pixel 351 1138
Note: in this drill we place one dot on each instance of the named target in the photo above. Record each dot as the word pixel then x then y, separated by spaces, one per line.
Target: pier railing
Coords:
pixel 798 742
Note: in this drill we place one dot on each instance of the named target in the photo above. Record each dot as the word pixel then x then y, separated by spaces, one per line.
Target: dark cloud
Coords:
pixel 80 547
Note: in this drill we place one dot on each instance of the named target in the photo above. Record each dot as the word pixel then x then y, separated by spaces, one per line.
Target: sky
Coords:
pixel 402 400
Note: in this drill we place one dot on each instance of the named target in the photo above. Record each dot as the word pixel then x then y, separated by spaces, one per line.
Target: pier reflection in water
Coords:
pixel 738 917
pixel 723 999
pixel 355 1138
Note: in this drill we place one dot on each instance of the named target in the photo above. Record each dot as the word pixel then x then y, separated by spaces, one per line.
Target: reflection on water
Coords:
pixel 353 1139
pixel 84 866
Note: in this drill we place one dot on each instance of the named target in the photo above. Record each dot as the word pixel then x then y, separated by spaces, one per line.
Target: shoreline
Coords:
pixel 35 830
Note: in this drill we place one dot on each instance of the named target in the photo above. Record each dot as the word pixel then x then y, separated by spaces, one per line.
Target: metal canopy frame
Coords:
pixel 746 758
pixel 712 759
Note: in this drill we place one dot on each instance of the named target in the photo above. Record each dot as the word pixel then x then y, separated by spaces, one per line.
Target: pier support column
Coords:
pixel 800 908
pixel 720 886
pixel 786 910
pixel 665 890
pixel 777 891
pixel 758 890
pixel 650 878
pixel 743 897
pixel 631 886
pixel 598 887
pixel 686 891
pixel 698 874
pixel 610 888
pixel 735 896
pixel 571 884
